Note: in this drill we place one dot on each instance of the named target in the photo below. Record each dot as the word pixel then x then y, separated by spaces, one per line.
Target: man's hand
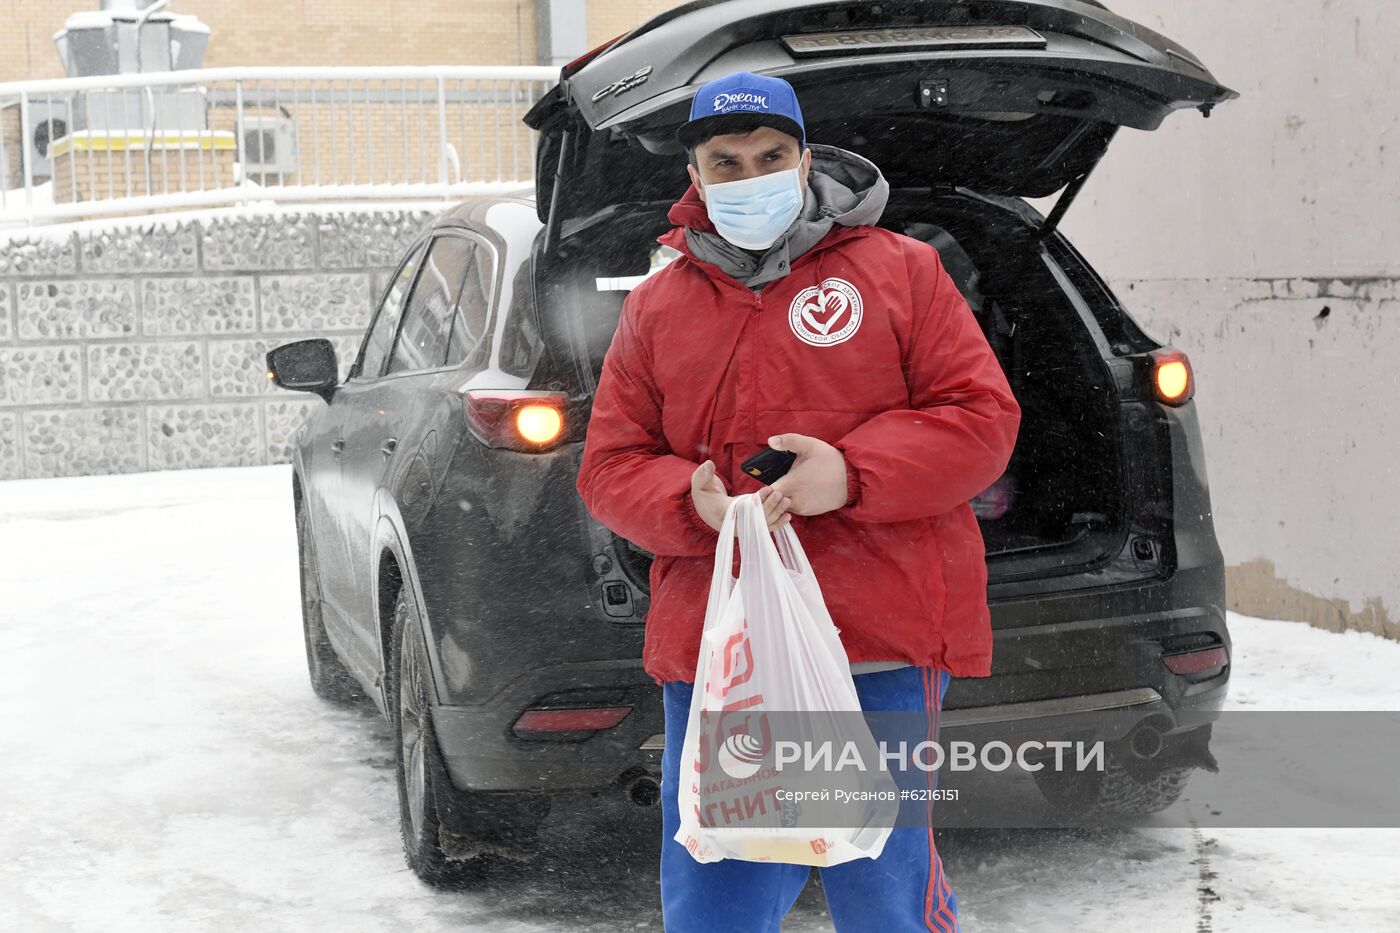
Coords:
pixel 712 500
pixel 816 483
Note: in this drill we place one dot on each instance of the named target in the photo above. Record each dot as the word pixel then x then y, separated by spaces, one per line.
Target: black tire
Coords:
pixel 425 790
pixel 329 678
pixel 1119 790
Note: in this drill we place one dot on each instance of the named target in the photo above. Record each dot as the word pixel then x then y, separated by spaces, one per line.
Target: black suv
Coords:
pixel 449 569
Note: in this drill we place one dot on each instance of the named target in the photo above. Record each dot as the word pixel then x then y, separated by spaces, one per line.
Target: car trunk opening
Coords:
pixel 966 107
pixel 1062 503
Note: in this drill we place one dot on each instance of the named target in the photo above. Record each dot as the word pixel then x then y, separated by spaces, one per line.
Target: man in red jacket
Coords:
pixel 791 320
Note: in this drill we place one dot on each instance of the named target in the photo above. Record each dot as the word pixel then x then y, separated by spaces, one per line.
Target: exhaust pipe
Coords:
pixel 1145 741
pixel 643 791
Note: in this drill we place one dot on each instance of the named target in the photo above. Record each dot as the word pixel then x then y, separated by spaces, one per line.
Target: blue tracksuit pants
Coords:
pixel 902 891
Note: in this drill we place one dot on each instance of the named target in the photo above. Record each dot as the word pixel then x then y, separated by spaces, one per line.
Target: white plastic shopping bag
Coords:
pixel 771 665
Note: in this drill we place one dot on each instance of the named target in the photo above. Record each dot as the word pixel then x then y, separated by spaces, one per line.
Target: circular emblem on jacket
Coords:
pixel 826 314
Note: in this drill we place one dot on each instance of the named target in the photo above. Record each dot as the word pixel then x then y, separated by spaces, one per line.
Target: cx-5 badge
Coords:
pixel 624 84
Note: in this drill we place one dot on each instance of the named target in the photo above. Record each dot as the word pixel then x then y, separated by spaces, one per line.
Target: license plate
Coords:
pixel 922 37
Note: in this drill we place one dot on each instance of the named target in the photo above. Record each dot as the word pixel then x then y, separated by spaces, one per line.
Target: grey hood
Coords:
pixel 842 188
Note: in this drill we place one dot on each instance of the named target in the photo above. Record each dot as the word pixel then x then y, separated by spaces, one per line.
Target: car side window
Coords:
pixel 472 315
pixel 386 322
pixel 422 339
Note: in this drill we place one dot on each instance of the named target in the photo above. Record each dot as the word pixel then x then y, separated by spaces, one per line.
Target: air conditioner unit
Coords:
pixel 268 149
pixel 48 121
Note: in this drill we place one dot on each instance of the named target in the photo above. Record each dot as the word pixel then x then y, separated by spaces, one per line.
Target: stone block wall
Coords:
pixel 139 345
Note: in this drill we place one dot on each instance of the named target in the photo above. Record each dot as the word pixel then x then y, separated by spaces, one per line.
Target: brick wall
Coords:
pixel 351 141
pixel 140 345
pixel 609 18
pixel 90 174
pixel 12 170
pixel 329 32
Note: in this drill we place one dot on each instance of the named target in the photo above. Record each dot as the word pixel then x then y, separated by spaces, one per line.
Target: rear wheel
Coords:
pixel 329 678
pixel 450 836
pixel 1118 790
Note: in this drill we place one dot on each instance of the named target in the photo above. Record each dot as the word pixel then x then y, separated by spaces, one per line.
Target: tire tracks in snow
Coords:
pixel 1206 895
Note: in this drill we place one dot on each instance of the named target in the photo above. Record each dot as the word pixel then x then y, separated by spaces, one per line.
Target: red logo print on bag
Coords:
pixel 732 668
pixel 736 667
pixel 738 659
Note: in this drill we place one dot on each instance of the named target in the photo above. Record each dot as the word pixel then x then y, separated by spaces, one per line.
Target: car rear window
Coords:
pixel 1121 331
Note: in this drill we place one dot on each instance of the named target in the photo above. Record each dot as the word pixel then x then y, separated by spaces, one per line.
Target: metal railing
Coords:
pixel 136 143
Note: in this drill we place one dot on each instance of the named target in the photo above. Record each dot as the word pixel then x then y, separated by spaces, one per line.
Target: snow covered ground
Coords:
pixel 164 765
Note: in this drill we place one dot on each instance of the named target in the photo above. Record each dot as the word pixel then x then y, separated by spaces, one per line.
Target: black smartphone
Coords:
pixel 768 465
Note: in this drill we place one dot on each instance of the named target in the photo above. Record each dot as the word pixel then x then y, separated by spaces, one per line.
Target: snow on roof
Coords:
pixel 88 19
pixel 101 19
pixel 189 23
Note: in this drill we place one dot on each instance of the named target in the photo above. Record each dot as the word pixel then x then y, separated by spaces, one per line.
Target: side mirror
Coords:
pixel 306 366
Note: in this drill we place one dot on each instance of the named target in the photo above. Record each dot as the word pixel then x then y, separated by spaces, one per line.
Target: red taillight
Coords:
pixel 585 719
pixel 1173 381
pixel 1194 662
pixel 517 420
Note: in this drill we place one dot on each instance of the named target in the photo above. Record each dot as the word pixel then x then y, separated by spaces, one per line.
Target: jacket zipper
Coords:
pixel 753 367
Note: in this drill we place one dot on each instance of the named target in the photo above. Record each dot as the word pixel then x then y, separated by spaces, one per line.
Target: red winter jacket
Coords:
pixel 867 344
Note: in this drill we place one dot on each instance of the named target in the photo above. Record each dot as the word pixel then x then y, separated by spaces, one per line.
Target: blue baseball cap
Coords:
pixel 744 99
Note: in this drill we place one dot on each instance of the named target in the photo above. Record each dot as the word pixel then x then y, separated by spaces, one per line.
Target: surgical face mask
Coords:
pixel 753 212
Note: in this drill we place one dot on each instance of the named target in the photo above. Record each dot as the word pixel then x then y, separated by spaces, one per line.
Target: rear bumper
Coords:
pixel 1125 660
pixel 1108 717
pixel 1098 713
pixel 482 753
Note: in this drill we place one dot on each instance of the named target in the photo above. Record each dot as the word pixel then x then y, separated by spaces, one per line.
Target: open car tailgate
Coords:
pixel 1015 97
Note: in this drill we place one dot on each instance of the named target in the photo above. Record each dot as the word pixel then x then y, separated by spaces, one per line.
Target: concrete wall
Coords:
pixel 1265 242
pixel 133 346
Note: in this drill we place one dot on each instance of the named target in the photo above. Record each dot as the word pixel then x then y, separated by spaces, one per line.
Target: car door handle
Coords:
pixel 338 446
pixel 388 446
